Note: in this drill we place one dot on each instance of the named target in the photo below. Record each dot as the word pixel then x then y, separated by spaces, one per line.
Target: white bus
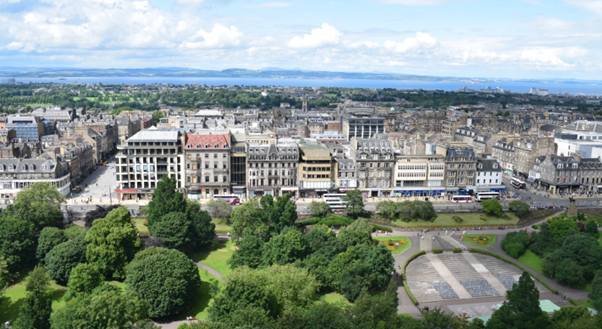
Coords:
pixel 517 183
pixel 461 198
pixel 234 200
pixel 482 196
pixel 335 201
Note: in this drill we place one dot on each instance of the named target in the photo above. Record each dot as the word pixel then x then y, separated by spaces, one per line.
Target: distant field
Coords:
pixel 468 219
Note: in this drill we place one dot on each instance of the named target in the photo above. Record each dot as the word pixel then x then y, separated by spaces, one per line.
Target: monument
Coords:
pixel 571 211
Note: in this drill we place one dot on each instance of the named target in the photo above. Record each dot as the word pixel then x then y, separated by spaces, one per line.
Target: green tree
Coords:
pixel 39 204
pixel 285 248
pixel 112 243
pixel 281 214
pixel 408 211
pixel 105 308
pixel 354 206
pixel 220 209
pixel 202 229
pixel 569 315
pixel 439 319
pixel 319 237
pixel 596 293
pixel 521 310
pixel 166 279
pixel 581 250
pixel 520 209
pixel 36 309
pixel 376 310
pixel 319 208
pixel 543 243
pixel 83 280
pixel 157 115
pixel 249 218
pixel 492 207
pixel 165 200
pixel 62 259
pixel 515 243
pixel 387 210
pixel 426 211
pixel 173 230
pixel 563 228
pixel 569 271
pixel 249 253
pixel 17 243
pixel 49 238
pixel 591 228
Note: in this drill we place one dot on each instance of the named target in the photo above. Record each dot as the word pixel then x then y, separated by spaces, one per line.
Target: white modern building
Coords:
pixel 489 176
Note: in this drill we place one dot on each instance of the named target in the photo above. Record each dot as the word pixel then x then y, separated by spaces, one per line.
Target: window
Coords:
pixel 206 155
pixel 207 181
pixel 215 179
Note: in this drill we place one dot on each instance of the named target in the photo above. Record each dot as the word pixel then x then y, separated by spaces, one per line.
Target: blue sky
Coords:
pixel 471 38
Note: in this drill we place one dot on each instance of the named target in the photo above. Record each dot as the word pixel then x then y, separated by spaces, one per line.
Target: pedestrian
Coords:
pixel 464 232
pixel 445 232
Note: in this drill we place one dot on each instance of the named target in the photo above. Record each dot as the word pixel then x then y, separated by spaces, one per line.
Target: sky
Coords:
pixel 462 38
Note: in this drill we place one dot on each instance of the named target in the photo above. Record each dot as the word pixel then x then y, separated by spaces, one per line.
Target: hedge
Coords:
pixel 437 251
pixel 456 250
pixel 403 275
pixel 574 302
pixel 485 252
pixel 381 228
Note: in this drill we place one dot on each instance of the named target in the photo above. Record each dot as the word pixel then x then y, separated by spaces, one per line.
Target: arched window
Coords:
pixel 189 145
pixel 215 146
pixel 225 145
pixel 206 145
pixel 25 167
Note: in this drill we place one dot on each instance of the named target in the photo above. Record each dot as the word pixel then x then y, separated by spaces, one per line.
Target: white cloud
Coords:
pixel 271 5
pixel 551 24
pixel 420 42
pixel 326 35
pixel 588 5
pixel 219 37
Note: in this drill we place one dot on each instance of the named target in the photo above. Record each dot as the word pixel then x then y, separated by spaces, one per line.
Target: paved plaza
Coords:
pixel 449 276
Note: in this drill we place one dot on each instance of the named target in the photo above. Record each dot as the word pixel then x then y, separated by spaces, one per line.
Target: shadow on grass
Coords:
pixel 200 256
pixel 9 310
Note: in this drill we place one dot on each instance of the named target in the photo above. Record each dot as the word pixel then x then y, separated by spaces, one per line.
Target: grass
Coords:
pixel 15 296
pixel 220 227
pixel 117 284
pixel 217 256
pixel 530 259
pixel 404 243
pixel 140 226
pixel 474 239
pixel 469 219
pixel 587 302
pixel 200 305
pixel 334 298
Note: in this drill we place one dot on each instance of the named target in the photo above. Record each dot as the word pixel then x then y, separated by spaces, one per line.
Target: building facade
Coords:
pixel 207 157
pixel 374 162
pixel 272 169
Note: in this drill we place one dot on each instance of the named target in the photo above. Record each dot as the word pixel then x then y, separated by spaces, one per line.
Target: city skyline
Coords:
pixel 514 39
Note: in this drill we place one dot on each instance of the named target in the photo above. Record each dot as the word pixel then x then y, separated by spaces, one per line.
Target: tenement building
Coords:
pixel 317 170
pixel 557 174
pixel 16 174
pixel 272 169
pixel 489 176
pixel 375 162
pixel 144 159
pixel 460 165
pixel 207 156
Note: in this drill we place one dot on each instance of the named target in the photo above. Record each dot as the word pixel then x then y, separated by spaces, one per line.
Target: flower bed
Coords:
pixel 481 240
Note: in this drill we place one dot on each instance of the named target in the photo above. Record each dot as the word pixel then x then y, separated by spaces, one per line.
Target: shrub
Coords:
pixel 506 217
pixel 375 227
pixel 515 243
pixel 535 227
pixel 483 217
pixel 456 250
pixel 457 219
pixel 437 251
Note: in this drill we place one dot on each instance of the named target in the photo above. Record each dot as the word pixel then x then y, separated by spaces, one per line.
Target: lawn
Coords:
pixel 140 225
pixel 15 295
pixel 404 243
pixel 469 219
pixel 220 227
pixel 217 256
pixel 200 305
pixel 480 240
pixel 530 259
pixel 334 297
pixel 587 302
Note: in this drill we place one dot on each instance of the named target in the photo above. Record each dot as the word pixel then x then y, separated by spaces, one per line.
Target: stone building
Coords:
pixel 346 171
pixel 16 174
pixel 374 162
pixel 272 169
pixel 489 176
pixel 144 159
pixel 317 170
pixel 207 156
pixel 557 174
pixel 591 174
pixel 460 165
pixel 526 150
pixel 504 153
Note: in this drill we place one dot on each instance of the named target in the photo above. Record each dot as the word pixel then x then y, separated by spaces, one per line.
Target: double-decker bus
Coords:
pixel 518 184
pixel 234 200
pixel 461 198
pixel 482 196
pixel 335 201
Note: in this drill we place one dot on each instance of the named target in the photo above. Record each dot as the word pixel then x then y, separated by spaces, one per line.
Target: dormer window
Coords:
pixel 25 167
pixel 575 165
pixel 189 145
pixel 206 145
pixel 559 166
pixel 225 145
pixel 215 145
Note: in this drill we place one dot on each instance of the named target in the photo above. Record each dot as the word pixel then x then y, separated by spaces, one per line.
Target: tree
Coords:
pixel 99 212
pixel 596 294
pixel 173 230
pixel 17 243
pixel 387 209
pixel 376 311
pixel 574 317
pixel 157 115
pixel 249 218
pixel 62 259
pixel 249 253
pixel 407 211
pixel 202 230
pixel 581 250
pixel 520 209
pixel 569 271
pixel 165 200
pixel 83 280
pixel 281 214
pixel 591 228
pixel 492 207
pixel 39 204
pixel 220 209
pixel 105 308
pixel 515 243
pixel 521 310
pixel 319 208
pixel 354 206
pixel 166 279
pixel 36 309
pixel 426 211
pixel 50 237
pixel 112 243
pixel 285 248
pixel 563 228
pixel 319 237
pixel 543 243
pixel 439 319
